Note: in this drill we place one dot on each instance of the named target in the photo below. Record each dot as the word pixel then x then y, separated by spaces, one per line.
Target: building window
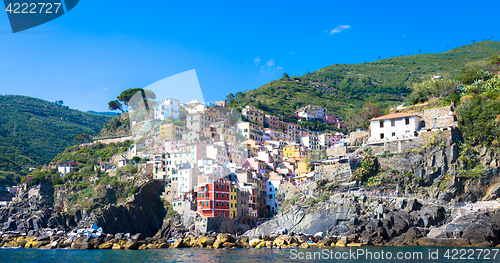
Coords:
pixel 381 136
pixel 381 124
pixel 407 121
pixel 216 195
pixel 393 134
pixel 393 123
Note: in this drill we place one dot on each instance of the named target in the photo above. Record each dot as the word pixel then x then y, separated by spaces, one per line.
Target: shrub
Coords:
pixel 367 168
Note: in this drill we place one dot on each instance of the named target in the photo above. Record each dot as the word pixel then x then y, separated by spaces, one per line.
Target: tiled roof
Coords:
pixel 394 116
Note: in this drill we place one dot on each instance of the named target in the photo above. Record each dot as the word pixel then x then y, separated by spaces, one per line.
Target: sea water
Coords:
pixel 360 254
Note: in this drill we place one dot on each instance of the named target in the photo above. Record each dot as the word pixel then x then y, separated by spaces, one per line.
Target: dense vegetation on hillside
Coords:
pixel 345 88
pixel 34 131
pixel 476 94
pixel 90 186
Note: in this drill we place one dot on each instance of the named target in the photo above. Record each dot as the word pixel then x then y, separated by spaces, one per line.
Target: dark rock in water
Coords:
pixel 9 226
pixel 43 238
pixel 169 224
pixel 481 229
pixel 109 237
pixel 81 245
pixel 447 242
pixel 137 237
pixel 407 238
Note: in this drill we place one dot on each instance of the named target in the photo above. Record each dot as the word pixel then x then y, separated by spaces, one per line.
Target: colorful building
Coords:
pixel 233 210
pixel 213 197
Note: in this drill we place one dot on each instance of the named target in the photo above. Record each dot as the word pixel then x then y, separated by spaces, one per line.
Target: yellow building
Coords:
pixel 233 210
pixel 301 168
pixel 171 131
pixel 252 146
pixel 291 151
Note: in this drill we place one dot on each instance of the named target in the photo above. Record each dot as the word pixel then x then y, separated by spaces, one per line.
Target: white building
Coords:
pixel 272 187
pixel 311 112
pixel 394 126
pixel 187 180
pixel 311 141
pixel 64 170
pixel 168 107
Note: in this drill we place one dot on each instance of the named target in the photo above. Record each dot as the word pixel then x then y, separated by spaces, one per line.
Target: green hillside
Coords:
pixel 344 87
pixel 34 131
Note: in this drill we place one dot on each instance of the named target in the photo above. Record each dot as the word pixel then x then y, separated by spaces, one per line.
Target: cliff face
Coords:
pixel 432 170
pixel 143 213
pixel 377 219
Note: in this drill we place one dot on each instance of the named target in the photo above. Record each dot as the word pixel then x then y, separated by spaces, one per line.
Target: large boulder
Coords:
pixel 225 238
pixel 481 229
pixel 178 243
pixel 492 193
pixel 80 245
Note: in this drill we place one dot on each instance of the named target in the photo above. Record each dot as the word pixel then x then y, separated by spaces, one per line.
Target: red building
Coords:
pixel 213 197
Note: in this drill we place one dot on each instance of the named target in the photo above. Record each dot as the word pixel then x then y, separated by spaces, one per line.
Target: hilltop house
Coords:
pixel 311 112
pixel 168 107
pixel 394 127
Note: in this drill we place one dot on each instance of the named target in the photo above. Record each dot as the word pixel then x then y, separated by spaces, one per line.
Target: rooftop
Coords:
pixel 394 116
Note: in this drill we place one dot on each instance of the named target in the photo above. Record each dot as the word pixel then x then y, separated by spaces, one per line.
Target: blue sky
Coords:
pixel 88 56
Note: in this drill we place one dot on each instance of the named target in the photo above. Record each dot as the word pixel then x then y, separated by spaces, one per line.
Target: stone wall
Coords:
pixel 333 171
pixel 113 139
pixel 401 146
pixel 219 224
pixel 438 117
pixel 358 137
pixel 398 146
pixel 182 207
pixel 332 152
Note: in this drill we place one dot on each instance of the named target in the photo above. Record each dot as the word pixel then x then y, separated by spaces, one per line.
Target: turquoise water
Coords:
pixel 247 255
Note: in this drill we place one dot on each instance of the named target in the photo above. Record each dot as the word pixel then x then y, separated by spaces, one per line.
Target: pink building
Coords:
pixel 334 120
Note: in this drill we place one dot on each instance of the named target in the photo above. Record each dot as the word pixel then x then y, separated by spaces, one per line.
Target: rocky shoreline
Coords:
pixel 351 221
pixel 95 239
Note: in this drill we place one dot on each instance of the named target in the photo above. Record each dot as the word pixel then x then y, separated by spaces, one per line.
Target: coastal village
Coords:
pixel 221 170
pixel 224 176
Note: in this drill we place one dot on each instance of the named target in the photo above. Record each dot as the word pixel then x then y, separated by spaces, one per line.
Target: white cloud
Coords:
pixel 340 29
pixel 256 60
pixel 279 68
pixel 270 63
pixel 105 89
